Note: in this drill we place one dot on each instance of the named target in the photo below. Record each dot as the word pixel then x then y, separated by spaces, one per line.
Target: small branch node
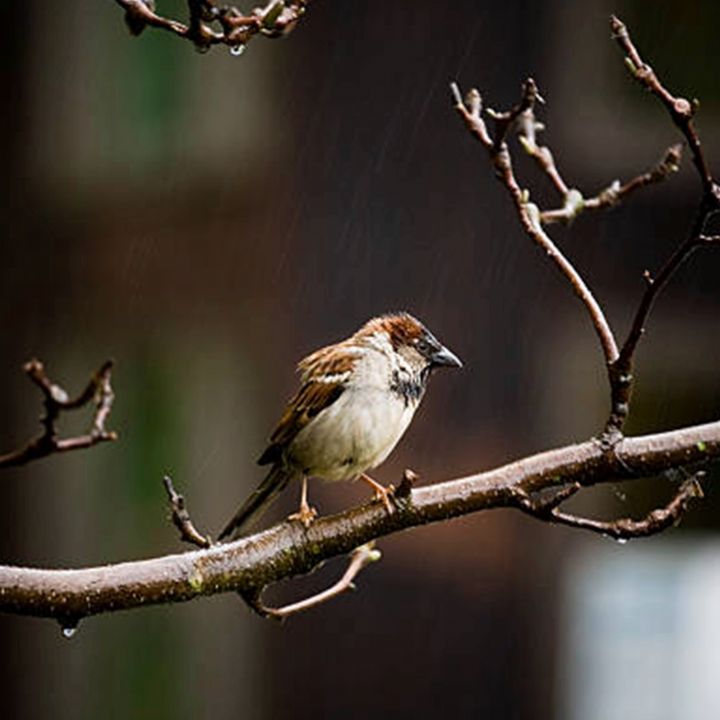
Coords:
pixel 404 489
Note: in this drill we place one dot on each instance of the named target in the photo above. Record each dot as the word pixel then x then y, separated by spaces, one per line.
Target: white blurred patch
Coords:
pixel 640 632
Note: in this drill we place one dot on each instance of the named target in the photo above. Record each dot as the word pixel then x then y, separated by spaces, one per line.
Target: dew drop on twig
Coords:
pixel 237 50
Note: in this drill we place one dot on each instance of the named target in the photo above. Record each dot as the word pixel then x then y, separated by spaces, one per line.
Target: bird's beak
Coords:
pixel 445 358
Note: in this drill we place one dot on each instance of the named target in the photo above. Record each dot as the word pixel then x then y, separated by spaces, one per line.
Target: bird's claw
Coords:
pixel 306 514
pixel 385 496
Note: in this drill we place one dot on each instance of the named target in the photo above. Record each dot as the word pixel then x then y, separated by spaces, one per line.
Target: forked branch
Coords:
pixel 98 392
pixel 619 360
pixel 249 564
pixel 654 522
pixel 470 109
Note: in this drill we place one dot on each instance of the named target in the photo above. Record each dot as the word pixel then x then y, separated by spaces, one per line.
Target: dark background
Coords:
pixel 206 220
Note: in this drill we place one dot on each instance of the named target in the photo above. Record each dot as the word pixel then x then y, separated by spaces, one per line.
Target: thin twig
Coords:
pixel 181 517
pixel 623 528
pixel 470 110
pixel 98 391
pixel 681 111
pixel 275 19
pixel 528 129
pixel 360 558
pixel 615 192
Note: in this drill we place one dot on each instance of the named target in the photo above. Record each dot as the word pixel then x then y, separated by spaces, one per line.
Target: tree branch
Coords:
pixel 250 564
pixel 98 391
pixel 681 112
pixel 622 528
pixel 360 558
pixel 276 19
pixel 575 203
pixel 181 517
pixel 618 360
pixel 471 112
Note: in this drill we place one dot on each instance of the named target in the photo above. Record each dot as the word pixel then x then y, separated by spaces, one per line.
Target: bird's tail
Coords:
pixel 259 501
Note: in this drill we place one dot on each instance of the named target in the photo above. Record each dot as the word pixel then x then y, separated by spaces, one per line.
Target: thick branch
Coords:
pixel 98 391
pixel 249 564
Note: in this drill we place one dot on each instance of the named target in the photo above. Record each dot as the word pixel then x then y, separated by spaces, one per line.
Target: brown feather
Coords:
pixel 311 399
pixel 330 360
pixel 402 328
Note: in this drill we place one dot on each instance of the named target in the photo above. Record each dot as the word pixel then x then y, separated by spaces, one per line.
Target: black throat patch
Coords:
pixel 410 389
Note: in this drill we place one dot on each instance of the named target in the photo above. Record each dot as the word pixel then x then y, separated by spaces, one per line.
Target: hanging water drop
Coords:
pixel 237 50
pixel 69 628
pixel 621 540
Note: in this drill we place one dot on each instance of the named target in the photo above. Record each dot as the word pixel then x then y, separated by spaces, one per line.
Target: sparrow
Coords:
pixel 355 401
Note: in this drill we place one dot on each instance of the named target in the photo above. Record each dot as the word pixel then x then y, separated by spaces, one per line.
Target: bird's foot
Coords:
pixel 382 494
pixel 306 514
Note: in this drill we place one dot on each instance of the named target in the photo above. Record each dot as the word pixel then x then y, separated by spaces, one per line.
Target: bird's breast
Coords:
pixel 356 433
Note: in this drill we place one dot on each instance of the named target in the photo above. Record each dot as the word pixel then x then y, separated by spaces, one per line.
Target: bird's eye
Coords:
pixel 423 346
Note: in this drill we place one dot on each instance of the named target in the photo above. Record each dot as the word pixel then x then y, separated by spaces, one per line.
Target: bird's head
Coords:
pixel 404 334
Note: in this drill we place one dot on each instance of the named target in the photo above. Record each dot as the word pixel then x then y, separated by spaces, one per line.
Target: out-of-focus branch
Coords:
pixel 249 564
pixel 98 392
pixel 211 24
pixel 360 558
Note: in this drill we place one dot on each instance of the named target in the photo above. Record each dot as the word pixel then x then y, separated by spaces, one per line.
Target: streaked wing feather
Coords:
pixel 311 399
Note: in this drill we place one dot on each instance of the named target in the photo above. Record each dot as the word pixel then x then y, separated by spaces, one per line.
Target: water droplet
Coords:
pixel 237 50
pixel 621 540
pixel 69 628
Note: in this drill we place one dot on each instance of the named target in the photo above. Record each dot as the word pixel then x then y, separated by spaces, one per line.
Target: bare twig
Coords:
pixel 623 528
pixel 618 360
pixel 249 564
pixel 360 558
pixel 470 110
pixel 681 111
pixel 98 391
pixel 528 129
pixel 181 517
pixel 275 19
pixel 615 192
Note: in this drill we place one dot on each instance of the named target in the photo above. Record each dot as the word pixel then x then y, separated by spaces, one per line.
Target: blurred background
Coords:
pixel 207 220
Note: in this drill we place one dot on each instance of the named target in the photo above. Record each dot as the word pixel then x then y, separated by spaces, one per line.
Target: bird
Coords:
pixel 356 400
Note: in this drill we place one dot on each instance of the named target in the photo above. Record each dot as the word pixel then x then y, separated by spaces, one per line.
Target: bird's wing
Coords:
pixel 324 375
